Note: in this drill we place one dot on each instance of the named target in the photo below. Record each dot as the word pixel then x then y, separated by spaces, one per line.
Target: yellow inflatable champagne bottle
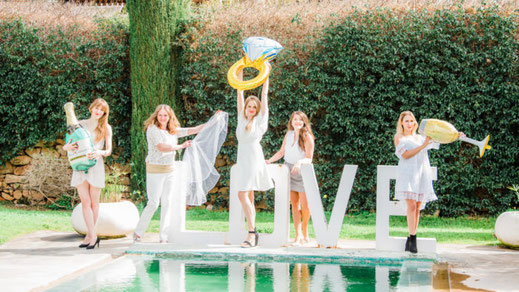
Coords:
pixel 76 134
pixel 444 132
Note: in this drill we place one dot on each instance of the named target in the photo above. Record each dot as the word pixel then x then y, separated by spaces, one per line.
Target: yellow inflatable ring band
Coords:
pixel 232 74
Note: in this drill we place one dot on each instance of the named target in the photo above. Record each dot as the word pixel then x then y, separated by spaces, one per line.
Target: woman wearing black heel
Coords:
pixel 251 169
pixel 89 184
pixel 94 245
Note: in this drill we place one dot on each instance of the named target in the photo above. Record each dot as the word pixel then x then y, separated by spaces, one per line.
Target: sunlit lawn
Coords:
pixel 464 230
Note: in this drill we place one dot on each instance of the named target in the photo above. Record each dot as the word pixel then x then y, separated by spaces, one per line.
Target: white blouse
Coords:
pixel 156 136
pixel 293 152
pixel 414 178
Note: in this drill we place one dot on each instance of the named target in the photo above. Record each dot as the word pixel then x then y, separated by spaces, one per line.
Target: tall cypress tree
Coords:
pixel 153 28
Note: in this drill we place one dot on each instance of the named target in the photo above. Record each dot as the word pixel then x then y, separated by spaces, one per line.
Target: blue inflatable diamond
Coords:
pixel 259 48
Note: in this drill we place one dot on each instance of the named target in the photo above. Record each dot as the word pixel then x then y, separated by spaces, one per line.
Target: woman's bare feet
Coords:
pixel 297 242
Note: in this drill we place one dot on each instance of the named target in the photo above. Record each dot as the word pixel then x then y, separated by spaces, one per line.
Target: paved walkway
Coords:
pixel 40 260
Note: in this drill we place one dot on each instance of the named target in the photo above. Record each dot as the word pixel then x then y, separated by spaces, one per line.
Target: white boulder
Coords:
pixel 115 219
pixel 507 228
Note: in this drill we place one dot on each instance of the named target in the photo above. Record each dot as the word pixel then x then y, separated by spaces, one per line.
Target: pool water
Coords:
pixel 147 273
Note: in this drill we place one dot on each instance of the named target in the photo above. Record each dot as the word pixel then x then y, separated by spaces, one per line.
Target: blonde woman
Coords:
pixel 162 133
pixel 89 184
pixel 297 148
pixel 251 169
pixel 414 178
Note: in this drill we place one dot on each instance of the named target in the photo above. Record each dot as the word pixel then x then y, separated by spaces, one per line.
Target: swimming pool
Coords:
pixel 152 273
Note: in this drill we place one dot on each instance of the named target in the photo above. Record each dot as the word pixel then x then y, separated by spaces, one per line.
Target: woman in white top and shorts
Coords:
pixel 162 133
pixel 297 148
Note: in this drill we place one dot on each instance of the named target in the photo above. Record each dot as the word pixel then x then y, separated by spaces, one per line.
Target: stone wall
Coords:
pixel 13 174
pixel 14 186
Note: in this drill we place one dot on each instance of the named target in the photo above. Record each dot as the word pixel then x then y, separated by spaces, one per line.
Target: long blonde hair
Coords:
pixel 251 98
pixel 306 129
pixel 173 123
pixel 399 124
pixel 102 124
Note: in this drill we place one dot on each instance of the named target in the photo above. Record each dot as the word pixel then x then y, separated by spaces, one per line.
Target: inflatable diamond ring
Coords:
pixel 232 74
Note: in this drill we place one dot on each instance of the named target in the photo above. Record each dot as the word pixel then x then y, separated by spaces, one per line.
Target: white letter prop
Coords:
pixel 386 207
pixel 279 237
pixel 327 235
pixel 177 230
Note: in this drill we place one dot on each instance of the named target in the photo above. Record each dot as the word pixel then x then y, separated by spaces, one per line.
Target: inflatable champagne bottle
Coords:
pixel 76 134
pixel 444 132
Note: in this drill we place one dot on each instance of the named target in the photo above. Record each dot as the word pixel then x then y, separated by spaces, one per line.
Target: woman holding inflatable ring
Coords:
pixel 250 163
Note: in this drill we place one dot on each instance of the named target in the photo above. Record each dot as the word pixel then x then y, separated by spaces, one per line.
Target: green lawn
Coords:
pixel 15 222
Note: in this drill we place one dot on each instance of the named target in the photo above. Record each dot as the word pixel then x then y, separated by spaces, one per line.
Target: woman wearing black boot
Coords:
pixel 414 179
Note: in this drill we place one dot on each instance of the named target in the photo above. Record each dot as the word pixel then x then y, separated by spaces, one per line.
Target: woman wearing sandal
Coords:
pixel 251 169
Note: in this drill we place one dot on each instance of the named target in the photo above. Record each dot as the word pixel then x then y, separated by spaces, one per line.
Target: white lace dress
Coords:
pixel 96 174
pixel 252 169
pixel 414 178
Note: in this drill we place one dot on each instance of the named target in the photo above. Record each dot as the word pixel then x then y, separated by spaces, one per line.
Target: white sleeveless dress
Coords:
pixel 250 163
pixel 414 178
pixel 96 174
pixel 294 153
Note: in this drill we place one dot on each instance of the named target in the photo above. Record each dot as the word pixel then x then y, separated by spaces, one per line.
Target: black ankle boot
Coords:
pixel 413 248
pixel 407 244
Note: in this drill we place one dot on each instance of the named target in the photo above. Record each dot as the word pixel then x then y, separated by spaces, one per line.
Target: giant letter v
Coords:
pixel 327 235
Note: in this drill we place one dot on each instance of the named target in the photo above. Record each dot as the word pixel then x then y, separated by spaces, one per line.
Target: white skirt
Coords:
pixel 95 175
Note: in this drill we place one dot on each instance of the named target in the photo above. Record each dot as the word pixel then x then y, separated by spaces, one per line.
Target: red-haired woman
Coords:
pixel 89 184
pixel 297 148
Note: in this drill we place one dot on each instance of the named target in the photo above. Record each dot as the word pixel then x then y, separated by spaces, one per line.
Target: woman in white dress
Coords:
pixel 297 148
pixel 89 184
pixel 414 178
pixel 250 164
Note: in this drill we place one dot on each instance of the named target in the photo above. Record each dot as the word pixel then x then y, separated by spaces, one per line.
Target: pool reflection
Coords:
pixel 135 273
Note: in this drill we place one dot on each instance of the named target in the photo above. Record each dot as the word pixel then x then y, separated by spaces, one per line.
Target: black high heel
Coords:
pixel 83 245
pixel 94 245
pixel 407 244
pixel 248 244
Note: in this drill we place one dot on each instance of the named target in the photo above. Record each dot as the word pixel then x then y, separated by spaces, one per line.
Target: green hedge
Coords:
pixel 42 68
pixel 354 81
pixel 362 72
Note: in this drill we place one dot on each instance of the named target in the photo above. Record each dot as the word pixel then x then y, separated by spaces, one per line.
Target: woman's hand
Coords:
pixel 428 140
pixel 267 161
pixel 71 147
pixel 268 65
pixel 295 169
pixel 461 135
pixel 186 144
pixel 95 155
